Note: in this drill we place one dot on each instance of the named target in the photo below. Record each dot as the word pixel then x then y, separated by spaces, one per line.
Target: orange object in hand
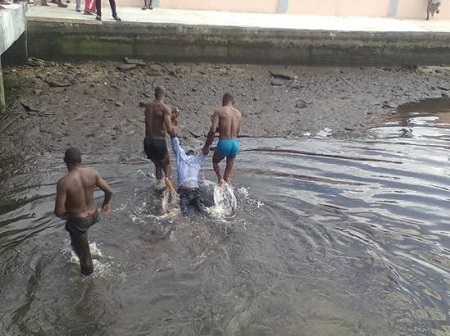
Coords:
pixel 169 185
pixel 106 209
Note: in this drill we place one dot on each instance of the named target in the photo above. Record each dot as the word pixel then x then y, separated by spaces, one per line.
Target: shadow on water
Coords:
pixel 331 237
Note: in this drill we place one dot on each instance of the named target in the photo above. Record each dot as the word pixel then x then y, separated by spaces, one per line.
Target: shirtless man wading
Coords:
pixel 157 123
pixel 227 121
pixel 75 203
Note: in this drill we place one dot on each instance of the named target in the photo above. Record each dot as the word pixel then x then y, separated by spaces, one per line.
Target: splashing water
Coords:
pixel 225 202
pixel 101 268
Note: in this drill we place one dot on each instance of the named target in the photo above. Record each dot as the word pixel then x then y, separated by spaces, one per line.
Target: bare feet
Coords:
pixel 117 18
pixel 221 182
pixel 61 5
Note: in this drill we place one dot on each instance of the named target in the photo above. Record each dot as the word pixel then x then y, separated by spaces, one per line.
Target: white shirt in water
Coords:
pixel 188 166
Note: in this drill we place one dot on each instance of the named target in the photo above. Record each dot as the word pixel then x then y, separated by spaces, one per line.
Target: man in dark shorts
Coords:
pixel 75 203
pixel 158 122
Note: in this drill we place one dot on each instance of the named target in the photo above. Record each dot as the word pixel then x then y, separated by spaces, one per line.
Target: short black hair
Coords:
pixel 227 98
pixel 159 91
pixel 72 156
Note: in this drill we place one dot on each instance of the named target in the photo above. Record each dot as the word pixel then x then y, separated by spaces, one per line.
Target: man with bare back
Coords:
pixel 75 204
pixel 227 121
pixel 158 122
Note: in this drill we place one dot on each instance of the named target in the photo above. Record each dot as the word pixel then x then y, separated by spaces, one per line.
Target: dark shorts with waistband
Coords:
pixel 78 228
pixel 155 149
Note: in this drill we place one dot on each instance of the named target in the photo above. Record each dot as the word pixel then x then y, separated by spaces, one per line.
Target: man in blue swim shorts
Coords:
pixel 227 121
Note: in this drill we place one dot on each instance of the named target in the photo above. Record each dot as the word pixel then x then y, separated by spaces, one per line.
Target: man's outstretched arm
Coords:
pixel 212 130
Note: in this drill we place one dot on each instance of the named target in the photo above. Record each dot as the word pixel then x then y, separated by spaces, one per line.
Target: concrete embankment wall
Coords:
pixel 171 42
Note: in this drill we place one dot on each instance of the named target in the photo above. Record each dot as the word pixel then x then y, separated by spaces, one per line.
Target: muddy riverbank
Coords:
pixel 98 106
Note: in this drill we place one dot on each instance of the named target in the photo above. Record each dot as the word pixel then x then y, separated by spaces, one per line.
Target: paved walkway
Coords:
pixel 248 20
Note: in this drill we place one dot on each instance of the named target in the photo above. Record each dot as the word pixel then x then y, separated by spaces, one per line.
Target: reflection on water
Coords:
pixel 330 237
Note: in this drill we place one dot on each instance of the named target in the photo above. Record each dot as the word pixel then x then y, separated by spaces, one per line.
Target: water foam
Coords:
pixel 101 268
pixel 225 202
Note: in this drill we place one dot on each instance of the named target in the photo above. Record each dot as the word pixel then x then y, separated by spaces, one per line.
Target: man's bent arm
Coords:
pixel 102 185
pixel 60 202
pixel 168 123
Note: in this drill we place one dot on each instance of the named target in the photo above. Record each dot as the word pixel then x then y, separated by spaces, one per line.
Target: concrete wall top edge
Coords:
pixel 142 30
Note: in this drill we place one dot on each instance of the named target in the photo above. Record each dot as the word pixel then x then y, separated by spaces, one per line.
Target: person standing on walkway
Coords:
pixel 75 204
pixel 90 7
pixel 227 121
pixel 433 7
pixel 158 122
pixel 150 6
pixel 112 4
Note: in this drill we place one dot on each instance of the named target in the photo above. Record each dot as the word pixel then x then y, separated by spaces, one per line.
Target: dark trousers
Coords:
pixel 112 3
pixel 191 198
pixel 77 229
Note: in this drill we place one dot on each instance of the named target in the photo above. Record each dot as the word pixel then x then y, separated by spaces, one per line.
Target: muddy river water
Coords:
pixel 330 237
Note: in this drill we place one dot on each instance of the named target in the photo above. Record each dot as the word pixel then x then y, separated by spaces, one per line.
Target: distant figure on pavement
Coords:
pixel 89 7
pixel 75 204
pixel 433 7
pixel 227 121
pixel 149 4
pixel 112 4
pixel 57 2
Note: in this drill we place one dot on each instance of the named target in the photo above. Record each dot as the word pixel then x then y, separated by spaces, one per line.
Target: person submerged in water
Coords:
pixel 227 121
pixel 189 164
pixel 75 204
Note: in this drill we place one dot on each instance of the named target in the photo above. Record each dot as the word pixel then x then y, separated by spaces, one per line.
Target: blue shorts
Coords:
pixel 228 147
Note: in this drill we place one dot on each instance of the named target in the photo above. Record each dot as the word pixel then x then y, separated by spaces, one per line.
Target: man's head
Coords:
pixel 72 157
pixel 160 92
pixel 191 152
pixel 227 99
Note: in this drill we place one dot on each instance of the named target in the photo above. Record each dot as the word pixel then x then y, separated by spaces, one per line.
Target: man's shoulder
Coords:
pixel 237 112
pixel 88 171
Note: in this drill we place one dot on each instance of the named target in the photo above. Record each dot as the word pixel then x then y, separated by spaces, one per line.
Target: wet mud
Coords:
pixel 99 106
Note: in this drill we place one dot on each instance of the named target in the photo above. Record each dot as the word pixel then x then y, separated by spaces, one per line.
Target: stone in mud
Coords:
pixel 35 62
pixel 445 88
pixel 277 82
pixel 134 61
pixel 126 67
pixel 282 75
pixel 301 104
pixel 58 81
pixel 387 105
pixel 28 107
pixel 119 104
